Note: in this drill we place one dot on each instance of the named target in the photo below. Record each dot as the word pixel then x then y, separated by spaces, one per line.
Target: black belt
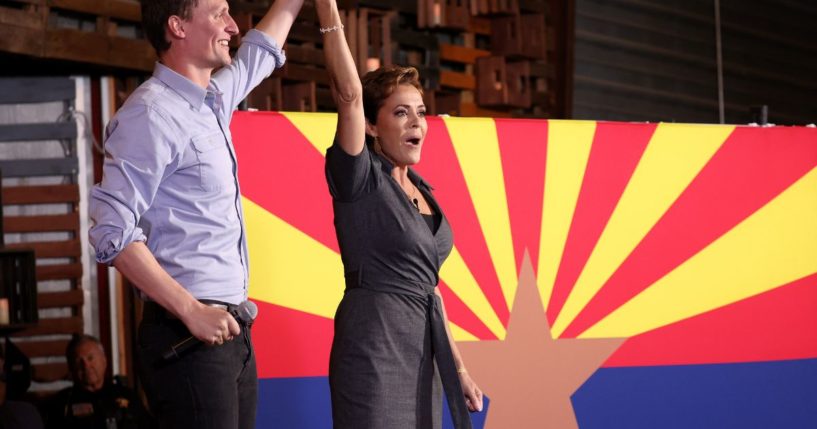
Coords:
pixel 153 311
pixel 441 349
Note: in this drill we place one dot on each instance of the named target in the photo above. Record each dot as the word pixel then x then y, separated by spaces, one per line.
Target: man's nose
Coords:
pixel 232 27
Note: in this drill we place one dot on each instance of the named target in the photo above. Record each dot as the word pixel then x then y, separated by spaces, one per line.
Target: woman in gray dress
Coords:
pixel 392 350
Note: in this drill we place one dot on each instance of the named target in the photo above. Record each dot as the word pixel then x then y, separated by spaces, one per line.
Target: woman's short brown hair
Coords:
pixel 379 84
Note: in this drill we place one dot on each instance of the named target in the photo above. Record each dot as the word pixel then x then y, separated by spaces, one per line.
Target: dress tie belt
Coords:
pixel 440 347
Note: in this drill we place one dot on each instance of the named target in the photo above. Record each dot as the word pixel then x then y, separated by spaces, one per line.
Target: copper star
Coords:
pixel 529 376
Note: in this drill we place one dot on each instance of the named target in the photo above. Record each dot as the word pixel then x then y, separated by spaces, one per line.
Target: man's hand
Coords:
pixel 211 325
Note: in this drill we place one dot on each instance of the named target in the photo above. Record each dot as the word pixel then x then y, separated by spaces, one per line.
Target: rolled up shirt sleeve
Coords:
pixel 257 57
pixel 140 150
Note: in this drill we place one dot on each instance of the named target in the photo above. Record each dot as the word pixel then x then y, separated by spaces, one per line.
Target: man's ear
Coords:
pixel 175 26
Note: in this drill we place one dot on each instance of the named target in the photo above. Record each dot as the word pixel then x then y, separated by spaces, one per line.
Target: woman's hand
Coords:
pixel 473 396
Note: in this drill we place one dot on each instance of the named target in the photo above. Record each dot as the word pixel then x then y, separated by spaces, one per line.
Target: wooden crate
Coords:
pixel 494 7
pixel 299 97
pixel 441 38
pixel 445 14
pixel 368 33
pixel 420 50
pixel 502 83
pixel 519 36
pixel 294 87
pixel 18 286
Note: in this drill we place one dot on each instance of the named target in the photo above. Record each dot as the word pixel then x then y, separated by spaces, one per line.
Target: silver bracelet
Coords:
pixel 334 28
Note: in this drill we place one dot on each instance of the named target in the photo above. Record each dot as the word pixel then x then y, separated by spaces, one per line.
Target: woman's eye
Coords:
pixel 421 113
pixel 400 113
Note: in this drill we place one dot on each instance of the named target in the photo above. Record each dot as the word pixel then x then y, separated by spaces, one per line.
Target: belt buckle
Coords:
pixel 217 305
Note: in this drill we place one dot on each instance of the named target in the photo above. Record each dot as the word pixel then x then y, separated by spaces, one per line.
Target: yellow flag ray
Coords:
pixel 289 268
pixel 320 275
pixel 671 161
pixel 774 246
pixel 568 149
pixel 460 334
pixel 477 147
pixel 318 128
pixel 460 280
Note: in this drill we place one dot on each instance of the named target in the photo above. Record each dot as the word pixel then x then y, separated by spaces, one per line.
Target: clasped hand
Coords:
pixel 212 325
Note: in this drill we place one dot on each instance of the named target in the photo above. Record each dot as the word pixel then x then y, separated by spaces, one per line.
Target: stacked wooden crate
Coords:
pixel 302 84
pixel 102 32
pixel 515 75
pixel 478 58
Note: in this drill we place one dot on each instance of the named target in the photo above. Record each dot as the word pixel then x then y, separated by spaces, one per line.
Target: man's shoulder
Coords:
pixel 151 94
pixel 63 395
pixel 119 389
pixel 152 102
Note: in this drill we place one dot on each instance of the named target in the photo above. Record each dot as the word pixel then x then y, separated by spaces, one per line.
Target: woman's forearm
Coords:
pixel 344 80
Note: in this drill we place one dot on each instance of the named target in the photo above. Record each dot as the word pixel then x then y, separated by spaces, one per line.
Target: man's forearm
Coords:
pixel 278 20
pixel 138 265
pixel 208 324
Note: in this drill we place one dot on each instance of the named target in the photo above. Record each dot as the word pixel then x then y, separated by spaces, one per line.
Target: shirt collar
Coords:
pixel 192 93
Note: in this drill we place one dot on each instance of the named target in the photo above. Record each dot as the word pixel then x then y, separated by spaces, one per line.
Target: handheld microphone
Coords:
pixel 244 313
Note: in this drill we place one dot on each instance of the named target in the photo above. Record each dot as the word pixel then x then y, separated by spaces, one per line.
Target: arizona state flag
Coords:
pixel 603 274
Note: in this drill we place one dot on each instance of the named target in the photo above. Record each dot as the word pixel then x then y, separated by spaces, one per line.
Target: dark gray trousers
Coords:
pixel 207 387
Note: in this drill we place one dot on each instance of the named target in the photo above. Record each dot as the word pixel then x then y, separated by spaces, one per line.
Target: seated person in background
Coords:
pixel 16 414
pixel 93 401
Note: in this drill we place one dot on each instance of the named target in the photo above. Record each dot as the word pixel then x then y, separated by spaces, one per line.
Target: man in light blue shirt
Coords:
pixel 168 215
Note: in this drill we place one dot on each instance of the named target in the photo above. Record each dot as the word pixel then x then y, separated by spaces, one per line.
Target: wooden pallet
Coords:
pixel 102 32
pixel 71 271
pixel 57 259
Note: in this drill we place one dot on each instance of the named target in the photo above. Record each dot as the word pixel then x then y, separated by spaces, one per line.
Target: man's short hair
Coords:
pixel 155 14
pixel 76 340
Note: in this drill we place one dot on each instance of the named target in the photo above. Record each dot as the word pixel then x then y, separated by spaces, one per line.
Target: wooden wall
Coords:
pixel 655 60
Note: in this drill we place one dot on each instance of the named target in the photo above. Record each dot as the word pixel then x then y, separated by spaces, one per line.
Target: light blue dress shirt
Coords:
pixel 170 175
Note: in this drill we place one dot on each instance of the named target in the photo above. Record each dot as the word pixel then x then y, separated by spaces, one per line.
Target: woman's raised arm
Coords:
pixel 344 80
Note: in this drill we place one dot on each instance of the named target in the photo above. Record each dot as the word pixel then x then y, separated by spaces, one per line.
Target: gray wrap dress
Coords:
pixel 390 351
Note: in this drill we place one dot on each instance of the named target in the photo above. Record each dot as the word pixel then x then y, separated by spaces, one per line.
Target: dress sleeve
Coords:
pixel 350 177
pixel 140 151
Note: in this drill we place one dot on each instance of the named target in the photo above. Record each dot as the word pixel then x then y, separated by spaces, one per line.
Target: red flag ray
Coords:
pixel 460 314
pixel 617 148
pixel 284 173
pixel 442 169
pixel 291 343
pixel 723 195
pixel 523 148
pixel 775 325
